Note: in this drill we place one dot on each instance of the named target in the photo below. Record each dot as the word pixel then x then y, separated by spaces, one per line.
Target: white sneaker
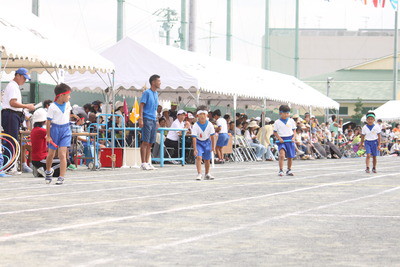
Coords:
pixel 41 171
pixel 145 167
pixel 259 159
pixel 209 176
pixel 199 177
pixel 151 167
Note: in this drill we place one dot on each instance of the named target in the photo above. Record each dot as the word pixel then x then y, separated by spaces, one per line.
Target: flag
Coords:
pixel 126 111
pixel 375 3
pixel 134 116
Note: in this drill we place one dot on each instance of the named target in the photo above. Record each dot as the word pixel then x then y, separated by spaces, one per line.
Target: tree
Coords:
pixel 358 111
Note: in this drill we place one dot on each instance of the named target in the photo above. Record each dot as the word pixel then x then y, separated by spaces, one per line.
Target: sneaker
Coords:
pixel 300 153
pixel 60 181
pixel 72 167
pixel 151 167
pixel 145 167
pixel 199 177
pixel 280 173
pixel 41 171
pixel 289 173
pixel 49 175
pixel 367 170
pixel 174 162
pixel 209 177
pixel 373 170
pixel 26 169
pixel 259 159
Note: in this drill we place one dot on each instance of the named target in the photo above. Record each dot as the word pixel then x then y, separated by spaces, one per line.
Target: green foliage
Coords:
pixel 358 111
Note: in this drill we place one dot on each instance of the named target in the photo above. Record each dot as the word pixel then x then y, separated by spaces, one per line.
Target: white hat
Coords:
pixel 39 115
pixel 267 120
pixel 118 104
pixel 181 111
pixel 190 116
pixel 164 110
pixel 257 118
pixel 253 124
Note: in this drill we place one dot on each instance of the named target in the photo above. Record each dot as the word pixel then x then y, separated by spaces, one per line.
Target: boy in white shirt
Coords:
pixel 371 133
pixel 203 143
pixel 285 132
pixel 223 137
pixel 58 131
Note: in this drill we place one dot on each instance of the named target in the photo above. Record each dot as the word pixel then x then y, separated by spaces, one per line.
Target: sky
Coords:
pixel 92 23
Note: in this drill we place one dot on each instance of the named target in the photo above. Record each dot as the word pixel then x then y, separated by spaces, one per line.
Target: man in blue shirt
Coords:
pixel 147 121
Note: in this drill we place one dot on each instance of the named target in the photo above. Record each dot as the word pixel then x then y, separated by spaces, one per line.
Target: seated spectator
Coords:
pixel 231 128
pixel 395 149
pixel 172 139
pixel 168 119
pixel 251 136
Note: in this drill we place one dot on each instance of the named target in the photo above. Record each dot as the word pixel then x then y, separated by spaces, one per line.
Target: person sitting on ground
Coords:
pixel 39 145
pixel 395 149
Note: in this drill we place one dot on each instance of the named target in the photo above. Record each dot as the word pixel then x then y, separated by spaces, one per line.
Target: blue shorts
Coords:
pixel 204 149
pixel 223 139
pixel 371 147
pixel 149 131
pixel 288 147
pixel 61 135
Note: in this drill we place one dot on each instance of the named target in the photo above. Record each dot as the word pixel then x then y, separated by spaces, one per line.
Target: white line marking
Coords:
pixel 246 226
pixel 192 207
pixel 352 216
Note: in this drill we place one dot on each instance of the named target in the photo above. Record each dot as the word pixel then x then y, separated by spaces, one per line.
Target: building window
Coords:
pixel 344 111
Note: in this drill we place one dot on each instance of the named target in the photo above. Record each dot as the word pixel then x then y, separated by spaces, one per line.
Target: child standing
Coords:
pixel 223 137
pixel 58 131
pixel 203 143
pixel 285 132
pixel 371 133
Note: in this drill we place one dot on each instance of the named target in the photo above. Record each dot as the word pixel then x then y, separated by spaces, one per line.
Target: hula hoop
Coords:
pixel 15 151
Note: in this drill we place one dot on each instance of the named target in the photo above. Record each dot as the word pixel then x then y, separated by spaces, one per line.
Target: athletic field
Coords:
pixel 331 213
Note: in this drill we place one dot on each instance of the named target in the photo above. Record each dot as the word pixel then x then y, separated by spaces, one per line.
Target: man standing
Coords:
pixel 12 109
pixel 148 121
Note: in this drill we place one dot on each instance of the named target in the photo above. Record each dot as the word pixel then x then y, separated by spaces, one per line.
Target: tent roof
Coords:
pixel 27 42
pixel 184 72
pixel 390 111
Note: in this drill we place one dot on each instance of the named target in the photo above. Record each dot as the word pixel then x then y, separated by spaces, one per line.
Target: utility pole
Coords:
pixel 182 34
pixel 192 25
pixel 34 82
pixel 296 41
pixel 170 17
pixel 266 64
pixel 120 20
pixel 228 29
pixel 395 55
pixel 209 37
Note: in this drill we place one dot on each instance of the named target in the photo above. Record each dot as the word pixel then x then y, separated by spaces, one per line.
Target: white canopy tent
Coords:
pixel 186 73
pixel 28 42
pixel 390 111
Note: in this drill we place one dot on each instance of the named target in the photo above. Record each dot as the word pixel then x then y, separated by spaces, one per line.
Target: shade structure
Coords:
pixel 183 72
pixel 25 41
pixel 390 111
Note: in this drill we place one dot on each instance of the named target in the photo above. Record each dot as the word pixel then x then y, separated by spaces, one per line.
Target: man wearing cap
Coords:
pixel 173 111
pixel 172 139
pixel 12 108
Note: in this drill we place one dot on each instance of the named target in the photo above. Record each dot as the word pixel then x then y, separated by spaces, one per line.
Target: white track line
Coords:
pixel 152 185
pixel 162 195
pixel 198 206
pixel 246 226
pixel 352 216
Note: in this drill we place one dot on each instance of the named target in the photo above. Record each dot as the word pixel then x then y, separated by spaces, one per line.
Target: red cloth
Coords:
pixel 39 145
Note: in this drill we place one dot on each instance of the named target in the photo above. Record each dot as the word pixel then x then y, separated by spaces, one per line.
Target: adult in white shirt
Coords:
pixel 12 109
pixel 172 139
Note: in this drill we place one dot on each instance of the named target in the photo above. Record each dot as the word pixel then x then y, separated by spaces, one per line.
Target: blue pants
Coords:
pixel 204 149
pixel 11 122
pixel 223 139
pixel 371 147
pixel 61 135
pixel 149 131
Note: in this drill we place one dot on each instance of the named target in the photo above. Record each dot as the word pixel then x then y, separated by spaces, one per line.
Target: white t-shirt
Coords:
pixel 12 91
pixel 221 122
pixel 371 135
pixel 203 131
pixel 56 115
pixel 285 130
pixel 173 135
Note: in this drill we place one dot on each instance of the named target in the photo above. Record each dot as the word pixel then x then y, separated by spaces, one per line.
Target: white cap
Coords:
pixel 39 115
pixel 267 119
pixel 181 111
pixel 257 118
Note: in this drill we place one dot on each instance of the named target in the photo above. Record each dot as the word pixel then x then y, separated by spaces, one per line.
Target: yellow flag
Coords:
pixel 134 116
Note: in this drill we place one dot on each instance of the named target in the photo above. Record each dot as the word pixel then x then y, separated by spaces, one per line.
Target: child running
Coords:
pixel 371 140
pixel 203 143
pixel 58 131
pixel 285 132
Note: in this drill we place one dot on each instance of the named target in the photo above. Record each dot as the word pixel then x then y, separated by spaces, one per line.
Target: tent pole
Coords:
pixel 395 56
pixel 263 120
pixel 1 94
pixel 113 125
pixel 234 115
